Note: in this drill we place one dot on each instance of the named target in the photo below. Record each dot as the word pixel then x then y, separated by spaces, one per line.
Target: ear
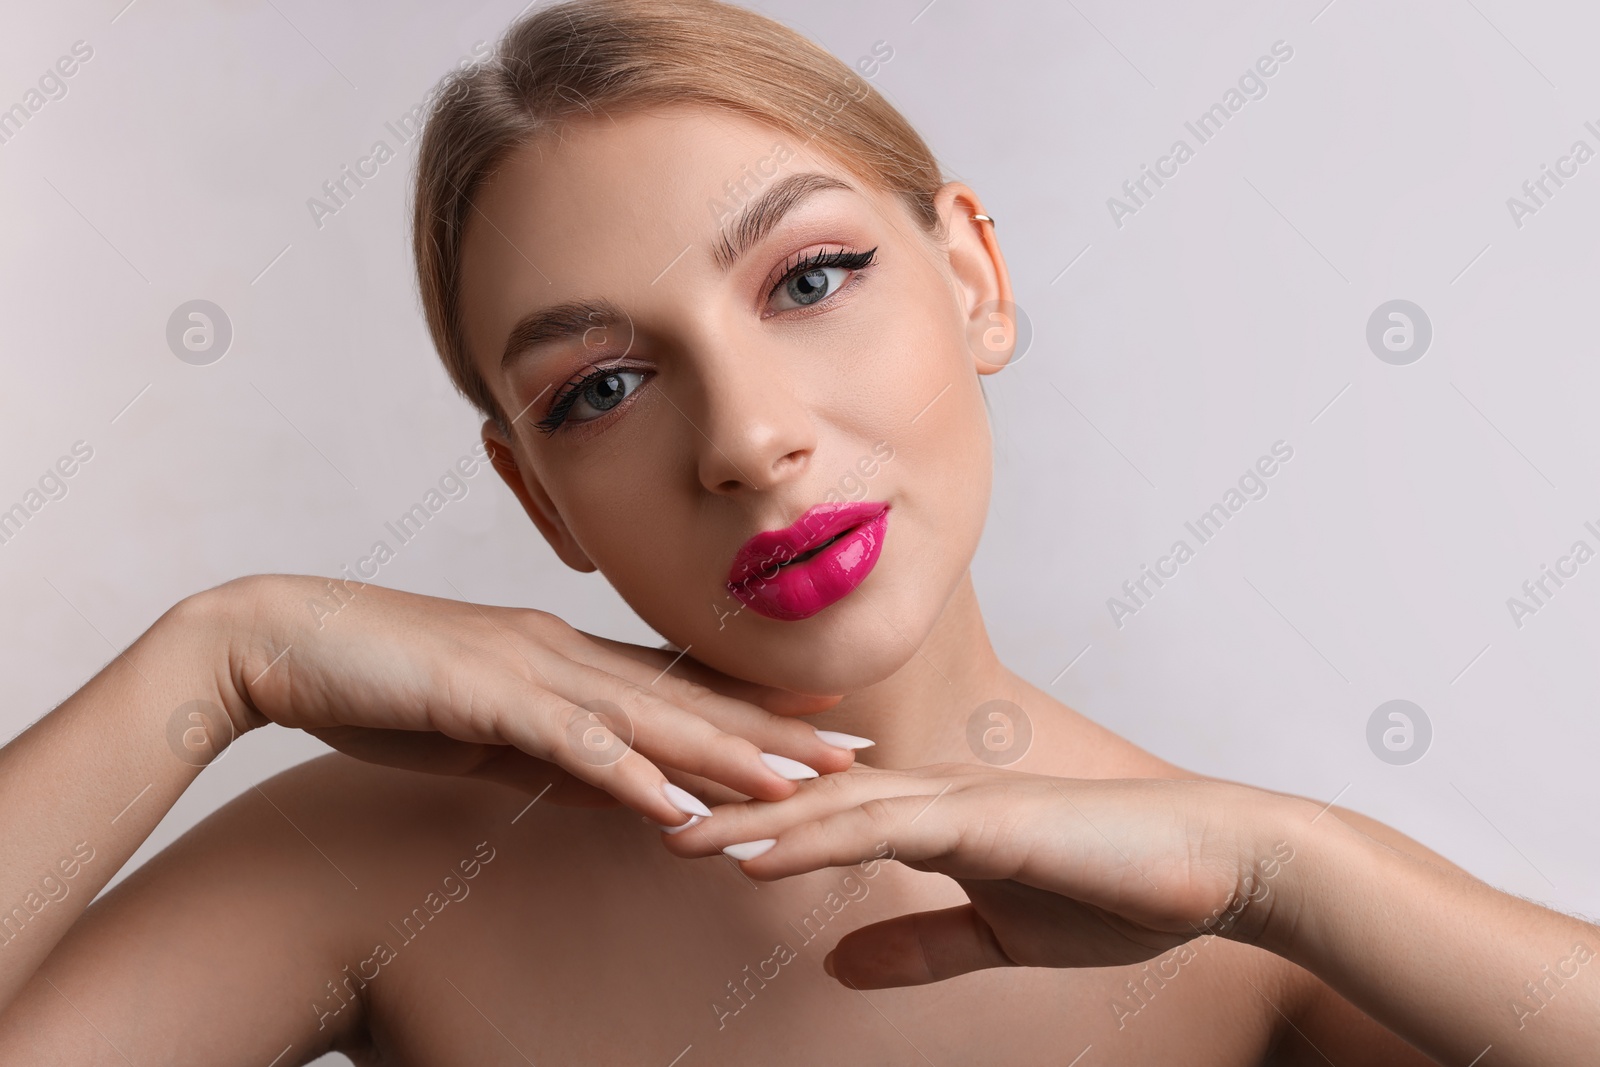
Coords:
pixel 535 501
pixel 981 279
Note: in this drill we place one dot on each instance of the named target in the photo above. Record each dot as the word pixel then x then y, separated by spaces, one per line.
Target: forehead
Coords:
pixel 614 173
pixel 604 206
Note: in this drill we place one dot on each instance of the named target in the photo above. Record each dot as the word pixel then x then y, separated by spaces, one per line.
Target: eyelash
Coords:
pixel 853 261
pixel 570 393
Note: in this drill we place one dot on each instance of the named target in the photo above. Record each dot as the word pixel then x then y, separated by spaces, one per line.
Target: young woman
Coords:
pixel 727 326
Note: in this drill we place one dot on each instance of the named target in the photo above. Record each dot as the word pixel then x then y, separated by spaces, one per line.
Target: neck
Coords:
pixel 919 714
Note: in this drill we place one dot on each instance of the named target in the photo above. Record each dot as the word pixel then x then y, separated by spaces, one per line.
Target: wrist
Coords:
pixel 1268 859
pixel 226 622
pixel 1311 846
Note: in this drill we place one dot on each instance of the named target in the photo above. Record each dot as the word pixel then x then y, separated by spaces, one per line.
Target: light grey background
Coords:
pixel 1169 353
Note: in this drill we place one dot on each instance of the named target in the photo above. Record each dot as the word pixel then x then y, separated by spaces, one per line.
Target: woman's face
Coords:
pixel 729 398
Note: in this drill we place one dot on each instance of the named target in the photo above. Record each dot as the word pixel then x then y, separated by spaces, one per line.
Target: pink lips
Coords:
pixel 768 578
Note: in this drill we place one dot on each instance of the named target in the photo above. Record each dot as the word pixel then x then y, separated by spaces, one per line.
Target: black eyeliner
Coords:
pixel 569 396
pixel 817 260
pixel 575 386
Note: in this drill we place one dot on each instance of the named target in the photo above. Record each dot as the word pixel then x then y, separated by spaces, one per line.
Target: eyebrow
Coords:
pixel 766 211
pixel 572 318
pixel 575 318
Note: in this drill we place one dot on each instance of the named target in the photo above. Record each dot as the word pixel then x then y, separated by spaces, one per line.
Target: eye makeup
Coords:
pixel 575 390
pixel 807 268
pixel 822 260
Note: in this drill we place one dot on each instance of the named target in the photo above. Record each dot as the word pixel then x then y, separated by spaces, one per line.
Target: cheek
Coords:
pixel 927 394
pixel 945 456
pixel 604 510
pixel 941 437
pixel 903 368
pixel 648 561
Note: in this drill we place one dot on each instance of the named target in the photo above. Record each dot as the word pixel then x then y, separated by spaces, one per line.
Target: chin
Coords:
pixel 848 647
pixel 844 671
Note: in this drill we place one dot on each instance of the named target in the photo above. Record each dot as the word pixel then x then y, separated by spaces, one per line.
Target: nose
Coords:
pixel 755 432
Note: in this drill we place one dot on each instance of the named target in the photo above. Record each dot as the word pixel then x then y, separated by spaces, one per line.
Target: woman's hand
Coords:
pixel 1064 872
pixel 510 695
pixel 1060 872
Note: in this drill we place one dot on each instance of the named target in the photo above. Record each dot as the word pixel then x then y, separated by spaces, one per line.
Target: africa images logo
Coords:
pixel 1252 85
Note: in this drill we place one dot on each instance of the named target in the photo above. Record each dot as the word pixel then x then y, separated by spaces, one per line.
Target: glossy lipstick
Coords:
pixel 793 573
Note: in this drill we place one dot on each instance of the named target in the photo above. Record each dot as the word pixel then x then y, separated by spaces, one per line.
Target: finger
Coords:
pixel 548 727
pixel 782 734
pixel 671 735
pixel 735 712
pixel 841 839
pixel 1016 829
pixel 953 832
pixel 713 793
pixel 817 798
pixel 915 949
pixel 779 734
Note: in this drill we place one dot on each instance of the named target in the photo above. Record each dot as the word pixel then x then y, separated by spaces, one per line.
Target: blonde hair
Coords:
pixel 583 57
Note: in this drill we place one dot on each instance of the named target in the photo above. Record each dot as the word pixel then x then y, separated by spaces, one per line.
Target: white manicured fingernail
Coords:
pixel 749 850
pixel 834 737
pixel 684 800
pixel 791 769
pixel 680 828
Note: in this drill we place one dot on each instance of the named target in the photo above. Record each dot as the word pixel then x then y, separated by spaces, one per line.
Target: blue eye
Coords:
pixel 589 396
pixel 599 391
pixel 813 285
pixel 605 392
pixel 819 276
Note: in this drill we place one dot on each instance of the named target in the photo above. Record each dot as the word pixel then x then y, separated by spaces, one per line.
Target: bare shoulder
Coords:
pixel 232 941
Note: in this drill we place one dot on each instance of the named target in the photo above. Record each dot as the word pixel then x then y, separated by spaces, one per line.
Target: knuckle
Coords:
pixel 539 618
pixel 637 704
pixel 691 690
pixel 640 697
pixel 879 809
pixel 831 786
pixel 518 663
pixel 547 629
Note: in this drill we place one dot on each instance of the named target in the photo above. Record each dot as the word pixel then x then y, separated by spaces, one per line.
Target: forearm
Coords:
pixel 1449 963
pixel 84 786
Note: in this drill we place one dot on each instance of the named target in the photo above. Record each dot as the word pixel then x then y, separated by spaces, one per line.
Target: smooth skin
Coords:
pixel 415 682
pixel 596 938
pixel 1073 873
